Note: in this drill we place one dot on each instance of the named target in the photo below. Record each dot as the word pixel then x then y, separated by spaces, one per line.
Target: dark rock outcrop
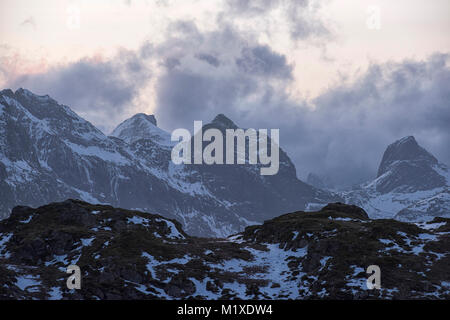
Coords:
pixel 125 254
pixel 409 167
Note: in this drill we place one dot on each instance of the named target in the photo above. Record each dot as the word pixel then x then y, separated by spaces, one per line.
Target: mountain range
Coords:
pixel 48 153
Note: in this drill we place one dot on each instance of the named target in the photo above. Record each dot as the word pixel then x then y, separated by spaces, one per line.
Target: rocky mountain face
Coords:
pixel 48 153
pixel 407 167
pixel 411 185
pixel 127 254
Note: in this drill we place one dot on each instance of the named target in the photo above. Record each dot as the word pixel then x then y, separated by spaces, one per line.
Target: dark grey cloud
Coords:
pixel 251 7
pixel 208 58
pixel 192 87
pixel 305 21
pixel 100 90
pixel 171 63
pixel 184 27
pixel 261 60
pixel 303 17
pixel 390 101
pixel 185 96
pixel 146 50
pixel 341 134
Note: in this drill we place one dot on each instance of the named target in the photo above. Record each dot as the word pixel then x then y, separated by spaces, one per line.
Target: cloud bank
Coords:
pixel 341 134
pixel 100 90
pixel 302 17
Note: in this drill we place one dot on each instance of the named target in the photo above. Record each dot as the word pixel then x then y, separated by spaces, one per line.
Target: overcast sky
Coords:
pixel 340 79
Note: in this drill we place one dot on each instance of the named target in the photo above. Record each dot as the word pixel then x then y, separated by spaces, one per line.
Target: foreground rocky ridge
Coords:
pixel 127 254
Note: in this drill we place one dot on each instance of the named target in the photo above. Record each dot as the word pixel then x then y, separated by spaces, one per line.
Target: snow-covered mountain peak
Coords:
pixel 7 92
pixel 405 149
pixel 406 166
pixel 26 96
pixel 411 185
pixel 223 122
pixel 32 96
pixel 141 126
pixel 146 117
pixel 42 115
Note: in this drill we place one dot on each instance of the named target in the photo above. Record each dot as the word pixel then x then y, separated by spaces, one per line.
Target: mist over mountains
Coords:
pixel 48 153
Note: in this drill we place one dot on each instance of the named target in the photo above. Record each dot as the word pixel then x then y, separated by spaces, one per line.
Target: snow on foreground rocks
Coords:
pixel 127 254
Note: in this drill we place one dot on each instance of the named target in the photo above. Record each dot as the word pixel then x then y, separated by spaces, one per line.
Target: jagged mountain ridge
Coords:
pixel 48 153
pixel 127 254
pixel 142 126
pixel 411 185
pixel 406 166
